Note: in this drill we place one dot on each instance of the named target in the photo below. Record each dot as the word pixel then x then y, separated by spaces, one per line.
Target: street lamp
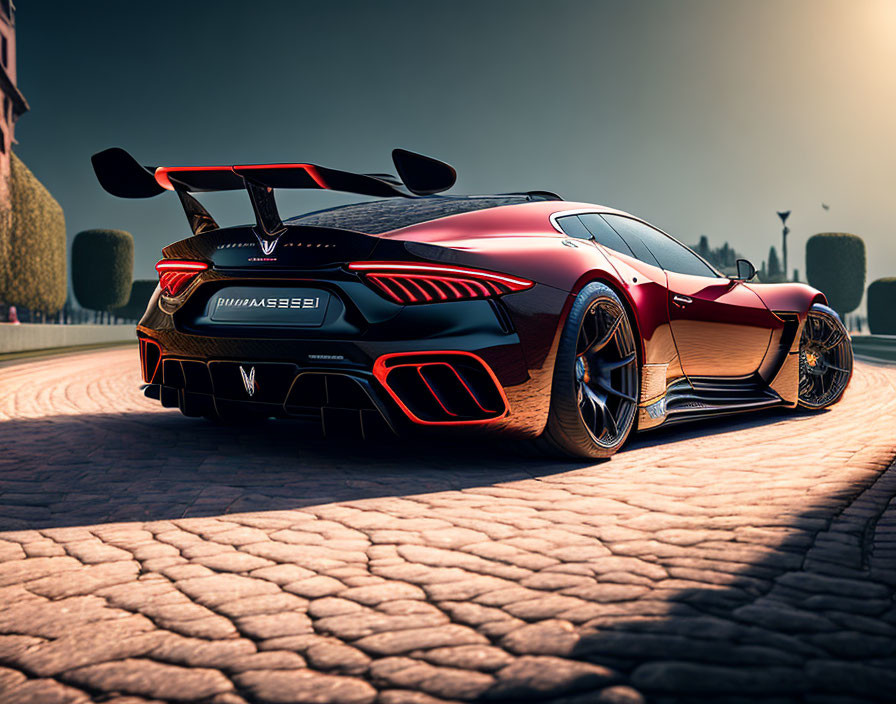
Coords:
pixel 784 215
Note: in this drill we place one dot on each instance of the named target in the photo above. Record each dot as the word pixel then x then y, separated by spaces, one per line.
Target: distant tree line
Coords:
pixel 33 267
pixel 725 258
pixel 835 265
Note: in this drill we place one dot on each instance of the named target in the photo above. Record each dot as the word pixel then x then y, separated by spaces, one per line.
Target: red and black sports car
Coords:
pixel 569 323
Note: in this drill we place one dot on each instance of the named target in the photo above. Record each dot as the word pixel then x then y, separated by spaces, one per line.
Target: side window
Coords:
pixel 573 227
pixel 604 234
pixel 670 254
pixel 622 227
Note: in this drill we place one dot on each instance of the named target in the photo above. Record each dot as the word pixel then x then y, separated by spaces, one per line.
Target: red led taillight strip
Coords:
pixel 163 173
pixel 176 274
pixel 405 282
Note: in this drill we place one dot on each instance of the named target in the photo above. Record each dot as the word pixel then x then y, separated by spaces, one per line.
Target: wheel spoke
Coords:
pixel 608 422
pixel 605 339
pixel 588 334
pixel 610 366
pixel 832 341
pixel 608 387
pixel 594 397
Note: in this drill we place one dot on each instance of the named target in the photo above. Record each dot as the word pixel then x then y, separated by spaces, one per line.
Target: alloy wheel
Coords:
pixel 825 359
pixel 606 373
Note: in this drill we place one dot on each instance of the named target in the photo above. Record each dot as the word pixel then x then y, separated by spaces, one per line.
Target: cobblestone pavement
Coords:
pixel 149 557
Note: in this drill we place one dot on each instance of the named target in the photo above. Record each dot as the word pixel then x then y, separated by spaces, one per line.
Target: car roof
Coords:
pixel 390 214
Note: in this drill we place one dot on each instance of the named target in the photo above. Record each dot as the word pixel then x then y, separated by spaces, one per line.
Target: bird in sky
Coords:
pixel 825 206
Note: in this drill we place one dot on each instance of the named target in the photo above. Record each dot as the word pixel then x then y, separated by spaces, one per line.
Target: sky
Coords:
pixel 700 116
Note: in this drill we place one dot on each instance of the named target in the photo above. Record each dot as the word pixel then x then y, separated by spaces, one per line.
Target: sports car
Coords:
pixel 570 324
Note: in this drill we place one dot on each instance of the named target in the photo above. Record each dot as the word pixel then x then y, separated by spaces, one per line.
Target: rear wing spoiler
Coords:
pixel 122 175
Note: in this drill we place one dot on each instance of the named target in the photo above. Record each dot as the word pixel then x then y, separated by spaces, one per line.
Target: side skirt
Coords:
pixel 696 398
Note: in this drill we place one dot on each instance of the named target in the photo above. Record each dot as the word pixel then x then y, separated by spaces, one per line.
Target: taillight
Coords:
pixel 175 274
pixel 405 282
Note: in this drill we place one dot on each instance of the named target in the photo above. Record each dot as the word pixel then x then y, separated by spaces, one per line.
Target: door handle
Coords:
pixel 681 301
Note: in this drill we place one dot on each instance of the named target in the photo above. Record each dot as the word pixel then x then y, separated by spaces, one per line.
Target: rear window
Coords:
pixel 377 217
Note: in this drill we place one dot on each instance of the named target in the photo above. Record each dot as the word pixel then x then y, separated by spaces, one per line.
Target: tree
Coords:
pixel 703 247
pixel 882 306
pixel 775 274
pixel 32 244
pixel 835 264
pixel 141 292
pixel 102 262
pixel 723 258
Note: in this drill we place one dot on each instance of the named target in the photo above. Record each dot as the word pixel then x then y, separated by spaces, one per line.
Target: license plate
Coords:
pixel 244 305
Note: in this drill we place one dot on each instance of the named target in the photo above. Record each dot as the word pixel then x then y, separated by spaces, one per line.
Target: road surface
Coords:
pixel 145 556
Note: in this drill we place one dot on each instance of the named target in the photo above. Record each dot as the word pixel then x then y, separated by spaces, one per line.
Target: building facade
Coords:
pixel 14 103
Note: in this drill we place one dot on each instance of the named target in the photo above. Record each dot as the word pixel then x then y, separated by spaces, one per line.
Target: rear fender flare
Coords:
pixel 603 277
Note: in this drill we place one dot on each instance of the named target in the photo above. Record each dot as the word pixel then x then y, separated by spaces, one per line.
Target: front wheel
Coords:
pixel 825 358
pixel 594 395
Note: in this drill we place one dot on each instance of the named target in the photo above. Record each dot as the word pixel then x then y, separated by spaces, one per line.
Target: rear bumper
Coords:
pixel 484 363
pixel 427 388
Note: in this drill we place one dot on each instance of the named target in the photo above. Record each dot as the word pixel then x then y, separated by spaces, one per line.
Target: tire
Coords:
pixel 825 358
pixel 596 383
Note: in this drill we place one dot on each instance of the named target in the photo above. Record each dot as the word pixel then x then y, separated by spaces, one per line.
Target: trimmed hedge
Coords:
pixel 5 247
pixel 882 306
pixel 835 265
pixel 141 292
pixel 102 262
pixel 32 244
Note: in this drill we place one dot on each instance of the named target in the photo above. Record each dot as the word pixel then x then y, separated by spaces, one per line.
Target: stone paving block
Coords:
pixel 263 626
pixel 549 637
pixel 305 686
pixel 691 678
pixel 216 590
pixel 315 587
pixel 150 679
pixel 43 691
pixel 542 676
pixel 402 641
pixel 442 682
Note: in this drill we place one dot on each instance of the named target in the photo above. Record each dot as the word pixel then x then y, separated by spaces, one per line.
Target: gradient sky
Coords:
pixel 701 116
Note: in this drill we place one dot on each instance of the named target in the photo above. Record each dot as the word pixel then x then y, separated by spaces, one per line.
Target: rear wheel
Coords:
pixel 825 358
pixel 594 395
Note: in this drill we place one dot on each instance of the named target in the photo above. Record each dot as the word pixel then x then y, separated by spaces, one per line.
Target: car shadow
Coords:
pixel 85 469
pixel 810 617
pixel 732 423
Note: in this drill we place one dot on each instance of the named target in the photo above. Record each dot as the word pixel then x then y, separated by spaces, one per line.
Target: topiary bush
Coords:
pixel 102 262
pixel 835 265
pixel 5 247
pixel 33 244
pixel 882 306
pixel 141 292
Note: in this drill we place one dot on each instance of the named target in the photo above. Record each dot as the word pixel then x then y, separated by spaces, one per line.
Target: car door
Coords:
pixel 721 328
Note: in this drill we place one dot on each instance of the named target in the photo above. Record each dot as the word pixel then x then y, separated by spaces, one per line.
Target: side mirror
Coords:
pixel 745 270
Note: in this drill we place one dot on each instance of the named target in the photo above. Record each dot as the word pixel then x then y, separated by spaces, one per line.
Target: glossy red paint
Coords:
pixel 794 297
pixel 720 326
pixel 385 364
pixel 514 238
